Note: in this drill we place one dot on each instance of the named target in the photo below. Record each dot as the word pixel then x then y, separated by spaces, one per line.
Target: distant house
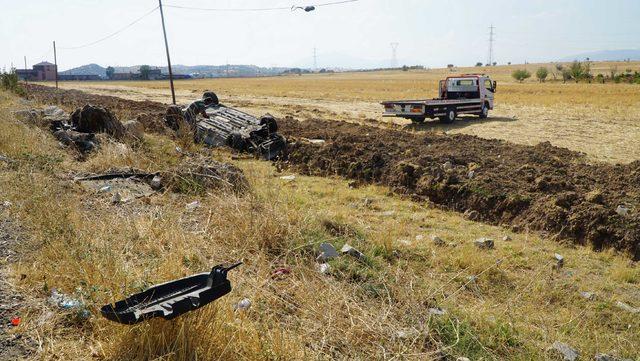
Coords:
pixel 124 76
pixel 154 74
pixel 43 71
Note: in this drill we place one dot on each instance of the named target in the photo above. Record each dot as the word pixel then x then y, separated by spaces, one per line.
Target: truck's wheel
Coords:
pixel 418 119
pixel 484 113
pixel 450 117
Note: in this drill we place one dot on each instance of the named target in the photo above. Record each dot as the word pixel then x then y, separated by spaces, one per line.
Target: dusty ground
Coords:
pixel 600 120
pixel 502 304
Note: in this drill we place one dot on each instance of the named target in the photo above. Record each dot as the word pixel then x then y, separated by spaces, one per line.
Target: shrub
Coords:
pixel 520 75
pixel 9 81
pixel 542 74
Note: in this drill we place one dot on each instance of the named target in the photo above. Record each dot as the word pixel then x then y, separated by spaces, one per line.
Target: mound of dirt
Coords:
pixel 543 188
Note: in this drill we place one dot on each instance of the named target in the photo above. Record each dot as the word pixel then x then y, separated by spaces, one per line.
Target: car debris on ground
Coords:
pixel 347 249
pixel 437 241
pixel 625 307
pixel 217 125
pixel 243 304
pixel 69 303
pixel 327 252
pixel 484 243
pixel 172 299
pixel 559 261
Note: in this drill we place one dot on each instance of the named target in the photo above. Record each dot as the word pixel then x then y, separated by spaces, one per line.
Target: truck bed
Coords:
pixel 429 102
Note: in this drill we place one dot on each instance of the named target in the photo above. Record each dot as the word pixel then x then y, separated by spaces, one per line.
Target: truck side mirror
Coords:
pixel 495 86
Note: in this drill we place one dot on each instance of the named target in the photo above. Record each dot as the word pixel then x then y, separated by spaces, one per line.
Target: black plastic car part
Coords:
pixel 172 299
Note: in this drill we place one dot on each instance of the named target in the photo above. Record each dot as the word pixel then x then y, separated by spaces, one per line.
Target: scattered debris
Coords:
pixel 438 241
pixel 317 141
pixel 69 303
pixel 471 174
pixel 288 177
pixel 507 238
pixel 105 189
pixel 568 353
pixel 447 166
pixel 94 119
pixel 409 333
pixel 462 359
pixel 244 304
pixel 559 261
pixel 347 249
pixel 171 299
pixel 590 296
pixel 388 213
pixel 623 306
pixel 7 204
pixel 324 268
pixel 5 159
pixel 156 183
pixel 281 272
pixel 327 252
pixel 471 215
pixel 419 238
pixel 203 174
pixel 437 311
pixel 622 210
pixel 192 206
pixel 134 129
pixel 83 142
pixel 484 243
pixel 15 321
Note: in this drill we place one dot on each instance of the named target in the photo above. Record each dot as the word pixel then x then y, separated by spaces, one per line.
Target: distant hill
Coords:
pixel 90 69
pixel 197 70
pixel 606 55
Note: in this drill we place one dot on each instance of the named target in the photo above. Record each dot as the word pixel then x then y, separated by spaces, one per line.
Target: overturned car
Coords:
pixel 218 125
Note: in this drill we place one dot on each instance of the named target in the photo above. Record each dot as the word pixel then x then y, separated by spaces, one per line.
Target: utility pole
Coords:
pixel 315 59
pixel 166 45
pixel 491 39
pixel 26 76
pixel 394 54
pixel 55 61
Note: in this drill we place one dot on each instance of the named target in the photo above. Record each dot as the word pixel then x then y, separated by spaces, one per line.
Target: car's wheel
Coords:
pixel 418 119
pixel 484 113
pixel 449 117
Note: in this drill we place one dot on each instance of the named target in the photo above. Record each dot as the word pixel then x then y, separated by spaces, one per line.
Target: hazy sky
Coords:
pixel 430 32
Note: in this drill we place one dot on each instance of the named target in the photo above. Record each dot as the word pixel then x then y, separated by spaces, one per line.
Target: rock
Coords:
pixel 134 129
pixel 244 304
pixel 437 311
pixel 327 252
pixel 507 238
pixel 116 198
pixel 53 111
pixel 288 177
pixel 559 261
pixel 471 174
pixel 588 295
pixel 622 210
pixel 484 243
pixel 324 268
pixel 447 166
pixel 192 206
pixel 156 183
pixel 30 116
pixel 93 119
pixel 626 307
pixel 568 353
pixel 437 241
pixel 83 142
pixel 347 249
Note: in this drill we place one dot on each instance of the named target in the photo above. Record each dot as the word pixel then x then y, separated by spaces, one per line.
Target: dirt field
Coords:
pixel 600 120
pixel 502 304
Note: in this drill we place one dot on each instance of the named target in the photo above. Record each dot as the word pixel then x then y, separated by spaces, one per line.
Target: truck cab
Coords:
pixel 469 86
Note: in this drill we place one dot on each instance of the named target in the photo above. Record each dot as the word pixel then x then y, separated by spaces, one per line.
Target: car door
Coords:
pixel 488 91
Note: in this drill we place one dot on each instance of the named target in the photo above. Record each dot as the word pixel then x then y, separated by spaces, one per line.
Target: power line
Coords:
pixel 112 34
pixel 251 9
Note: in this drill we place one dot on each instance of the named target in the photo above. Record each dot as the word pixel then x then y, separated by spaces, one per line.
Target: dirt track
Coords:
pixel 542 188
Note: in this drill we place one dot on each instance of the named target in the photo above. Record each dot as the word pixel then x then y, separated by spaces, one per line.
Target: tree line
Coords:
pixel 579 71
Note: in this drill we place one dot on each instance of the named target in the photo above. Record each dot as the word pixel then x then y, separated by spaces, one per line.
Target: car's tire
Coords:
pixel 450 117
pixel 418 119
pixel 484 112
pixel 213 96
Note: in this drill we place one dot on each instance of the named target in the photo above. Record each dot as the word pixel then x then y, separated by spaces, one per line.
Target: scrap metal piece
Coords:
pixel 172 299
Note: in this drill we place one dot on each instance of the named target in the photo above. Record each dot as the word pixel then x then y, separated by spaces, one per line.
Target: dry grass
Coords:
pixel 600 120
pixel 81 244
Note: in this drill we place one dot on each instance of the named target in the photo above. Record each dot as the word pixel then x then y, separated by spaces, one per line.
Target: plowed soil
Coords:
pixel 540 188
